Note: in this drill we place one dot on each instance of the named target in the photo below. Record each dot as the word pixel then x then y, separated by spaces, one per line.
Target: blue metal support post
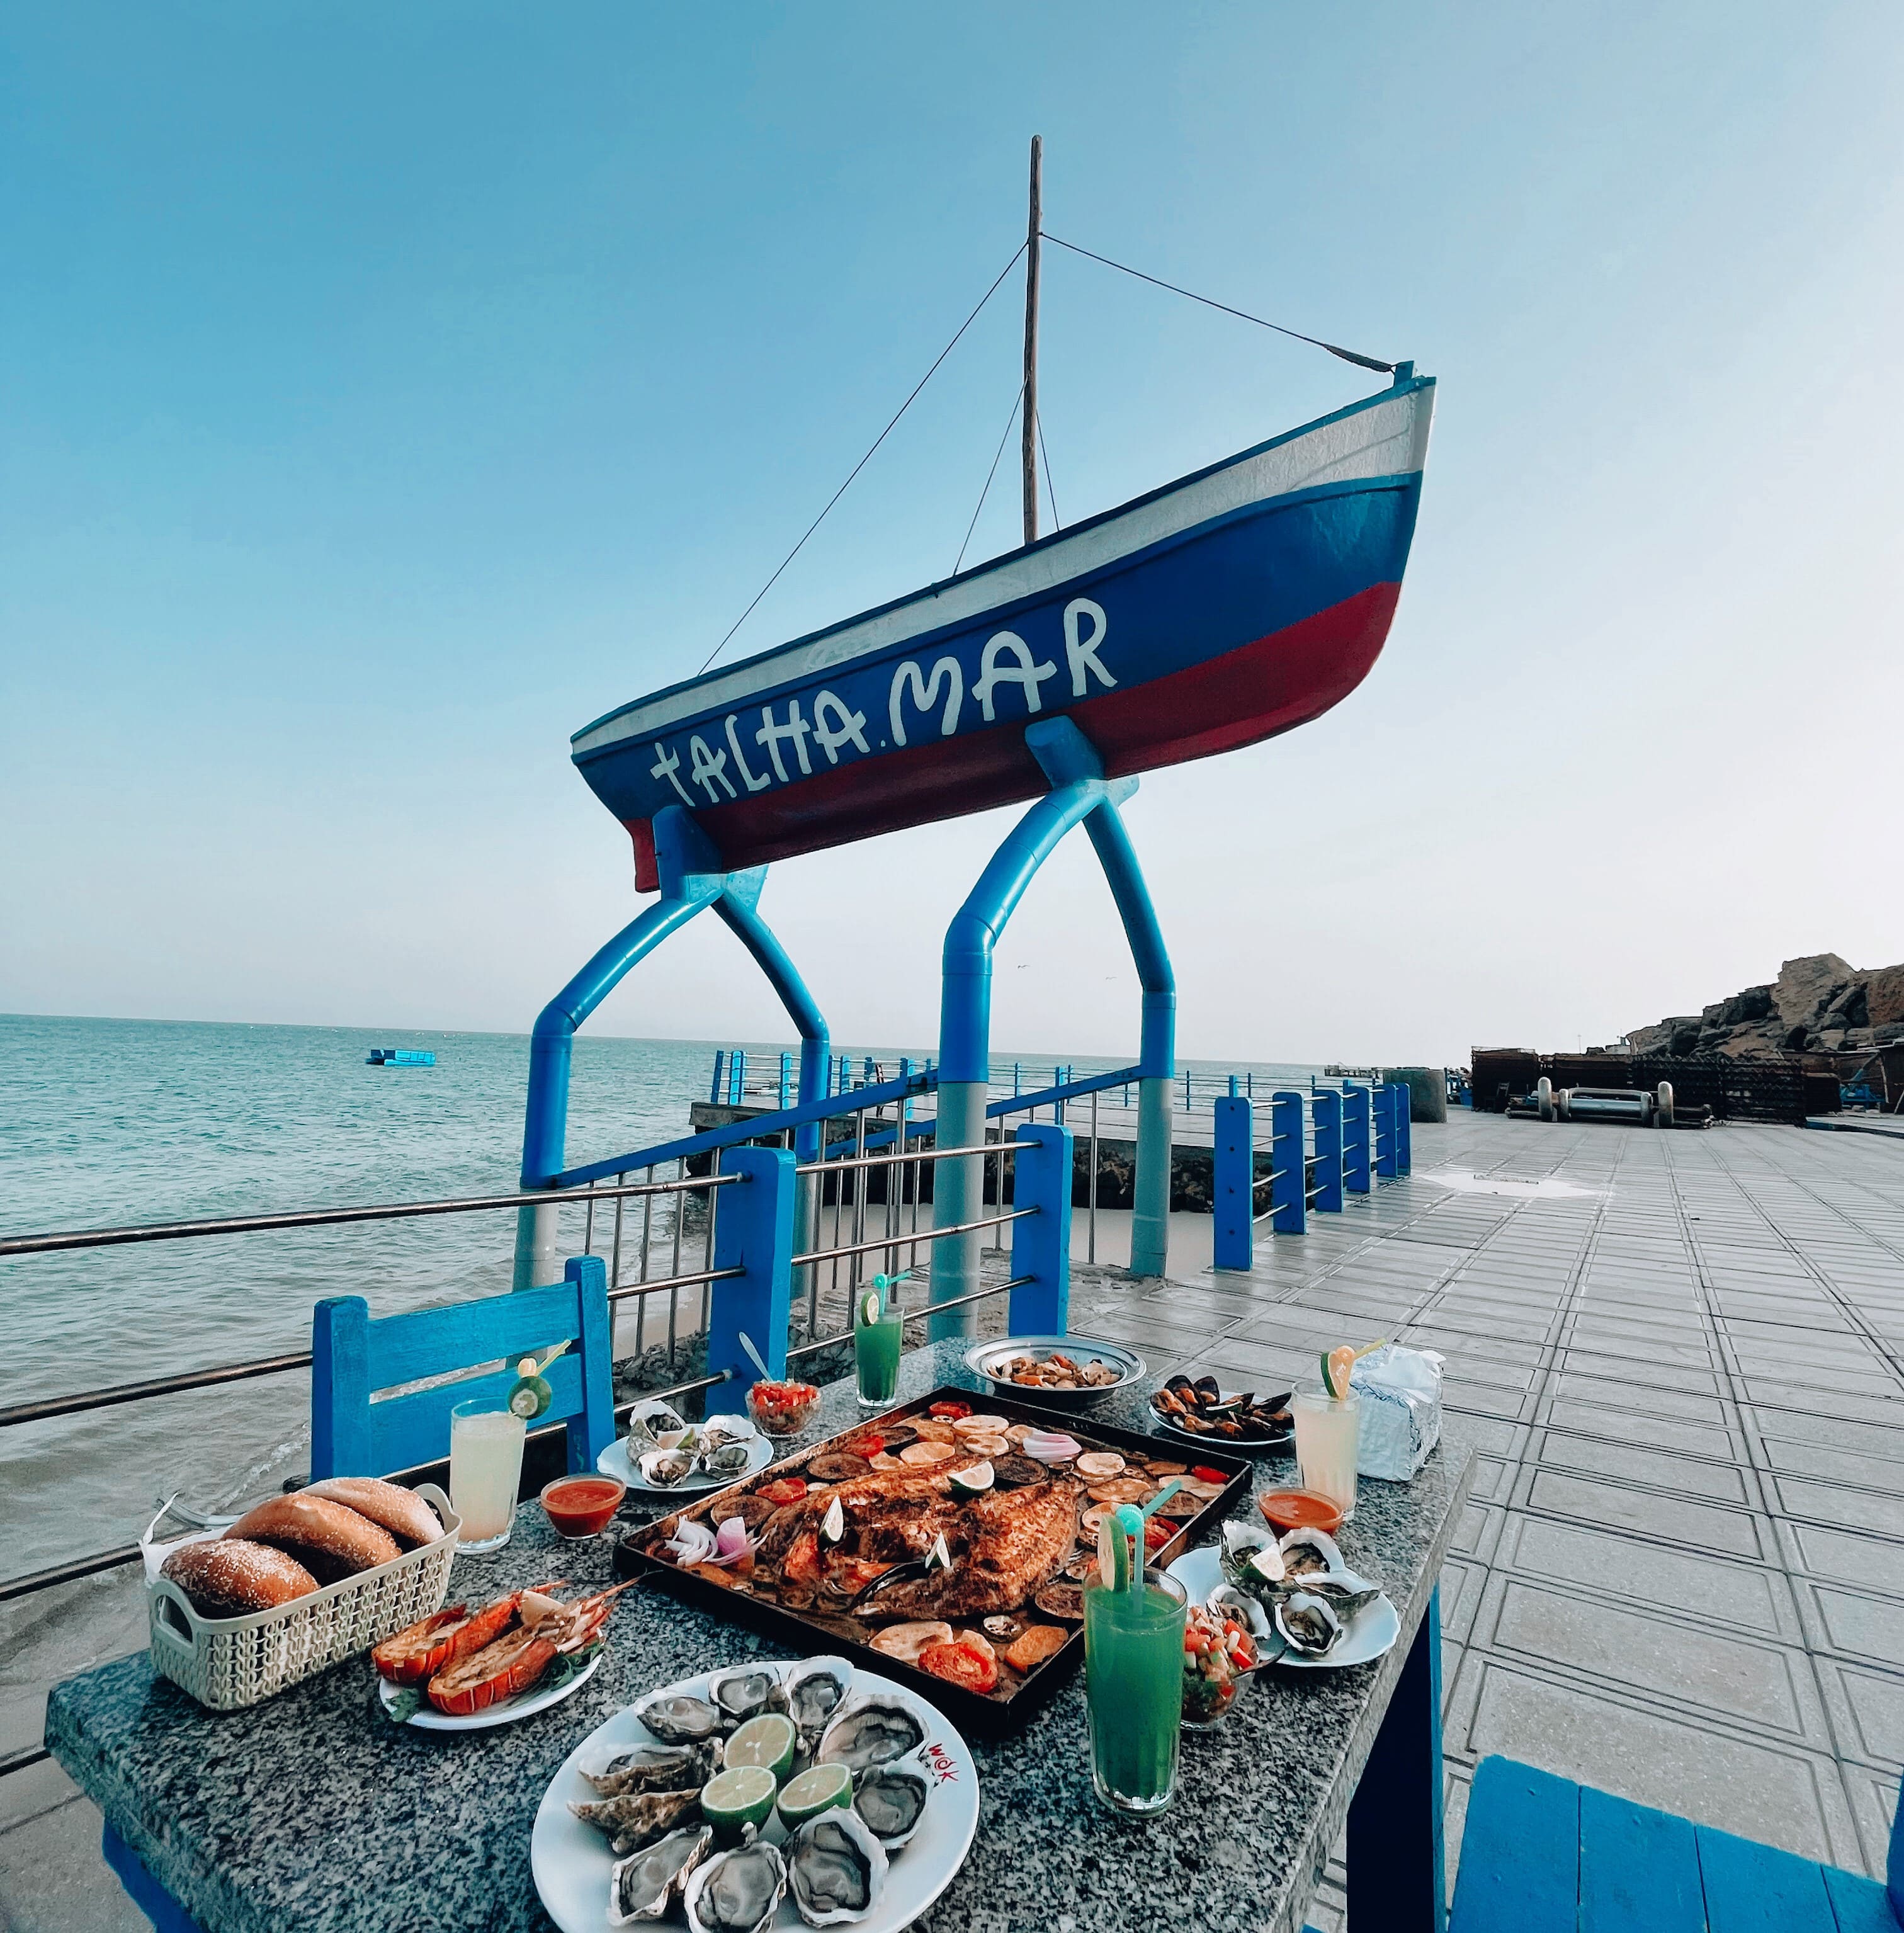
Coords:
pixel 693 880
pixel 1396 1862
pixel 753 1231
pixel 1288 1161
pixel 1382 1103
pixel 1041 1243
pixel 1405 1121
pixel 1235 1192
pixel 1355 1139
pixel 1080 793
pixel 1327 1104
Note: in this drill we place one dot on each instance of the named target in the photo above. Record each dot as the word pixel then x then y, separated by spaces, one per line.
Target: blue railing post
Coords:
pixel 1381 1104
pixel 1327 1105
pixel 1234 1183
pixel 1041 1243
pixel 753 1231
pixel 1288 1161
pixel 1233 1087
pixel 1355 1139
pixel 720 1069
pixel 786 1080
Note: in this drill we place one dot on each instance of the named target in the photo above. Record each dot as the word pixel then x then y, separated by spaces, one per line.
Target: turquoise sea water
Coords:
pixel 104 1122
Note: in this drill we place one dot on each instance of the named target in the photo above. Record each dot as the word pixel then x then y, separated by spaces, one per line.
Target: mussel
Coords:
pixel 835 1868
pixel 678 1720
pixel 891 1800
pixel 645 1884
pixel 737 1891
pixel 868 1730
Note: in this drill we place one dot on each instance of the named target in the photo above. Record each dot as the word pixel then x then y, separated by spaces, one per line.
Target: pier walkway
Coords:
pixel 1682 1577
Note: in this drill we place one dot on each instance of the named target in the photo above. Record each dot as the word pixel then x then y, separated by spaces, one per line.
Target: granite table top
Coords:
pixel 312 1811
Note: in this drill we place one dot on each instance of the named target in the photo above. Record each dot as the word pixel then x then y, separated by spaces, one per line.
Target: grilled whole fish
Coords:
pixel 1013 1542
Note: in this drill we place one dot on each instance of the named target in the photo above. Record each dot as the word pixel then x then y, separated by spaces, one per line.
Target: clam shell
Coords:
pixel 891 1799
pixel 678 1720
pixel 815 1691
pixel 873 1728
pixel 737 1891
pixel 836 1868
pixel 644 1885
pixel 746 1693
pixel 614 1770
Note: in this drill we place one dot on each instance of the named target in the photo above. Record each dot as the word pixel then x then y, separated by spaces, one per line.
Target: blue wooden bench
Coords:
pixel 1541 1854
pixel 351 1356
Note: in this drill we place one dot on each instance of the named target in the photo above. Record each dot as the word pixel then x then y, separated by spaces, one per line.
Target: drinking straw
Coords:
pixel 1163 1496
pixel 1130 1523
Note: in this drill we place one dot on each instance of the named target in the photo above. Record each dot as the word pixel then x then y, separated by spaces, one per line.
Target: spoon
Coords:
pixel 755 1356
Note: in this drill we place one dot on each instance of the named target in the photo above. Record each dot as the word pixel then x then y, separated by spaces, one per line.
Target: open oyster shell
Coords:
pixel 836 1868
pixel 644 1885
pixel 746 1693
pixel 737 1891
pixel 614 1770
pixel 815 1691
pixel 891 1799
pixel 1308 1623
pixel 678 1720
pixel 874 1729
pixel 638 1819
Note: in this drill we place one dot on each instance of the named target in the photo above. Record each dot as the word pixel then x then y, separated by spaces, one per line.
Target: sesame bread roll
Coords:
pixel 230 1577
pixel 402 1513
pixel 330 1540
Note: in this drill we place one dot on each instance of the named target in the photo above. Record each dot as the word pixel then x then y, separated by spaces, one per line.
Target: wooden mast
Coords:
pixel 1029 433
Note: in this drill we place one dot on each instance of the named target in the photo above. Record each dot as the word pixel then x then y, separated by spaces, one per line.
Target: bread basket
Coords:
pixel 227 1664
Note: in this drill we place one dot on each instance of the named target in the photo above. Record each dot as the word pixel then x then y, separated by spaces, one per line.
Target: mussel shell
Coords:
pixel 614 1770
pixel 868 1730
pixel 678 1720
pixel 1308 1624
pixel 746 1693
pixel 644 1885
pixel 891 1799
pixel 737 1891
pixel 835 1867
pixel 815 1691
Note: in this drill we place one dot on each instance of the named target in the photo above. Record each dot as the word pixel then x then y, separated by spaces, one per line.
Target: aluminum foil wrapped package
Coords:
pixel 1400 1391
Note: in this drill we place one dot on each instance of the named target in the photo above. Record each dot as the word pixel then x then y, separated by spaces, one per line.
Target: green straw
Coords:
pixel 1130 1524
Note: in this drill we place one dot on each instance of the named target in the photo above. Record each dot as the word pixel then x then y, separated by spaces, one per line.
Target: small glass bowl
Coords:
pixel 1207 1702
pixel 789 1414
pixel 1292 1508
pixel 589 1507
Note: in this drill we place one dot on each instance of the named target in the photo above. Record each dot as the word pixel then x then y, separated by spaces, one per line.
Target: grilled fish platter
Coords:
pixel 945 1544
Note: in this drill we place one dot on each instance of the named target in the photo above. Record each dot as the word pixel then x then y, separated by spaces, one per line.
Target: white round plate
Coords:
pixel 570 1861
pixel 427 1718
pixel 615 1462
pixel 1223 1445
pixel 1372 1631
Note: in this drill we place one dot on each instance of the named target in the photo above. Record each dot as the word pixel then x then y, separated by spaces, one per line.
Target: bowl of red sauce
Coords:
pixel 582 1506
pixel 1300 1510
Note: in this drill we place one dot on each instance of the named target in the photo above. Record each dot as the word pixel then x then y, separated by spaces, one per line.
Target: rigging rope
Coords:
pixel 1334 349
pixel 1057 524
pixel 1010 418
pixel 866 459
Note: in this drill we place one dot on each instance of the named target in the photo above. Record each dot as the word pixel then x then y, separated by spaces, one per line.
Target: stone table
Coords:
pixel 312 1811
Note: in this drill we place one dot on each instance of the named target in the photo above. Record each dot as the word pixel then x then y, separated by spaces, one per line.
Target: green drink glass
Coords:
pixel 878 1329
pixel 1134 1690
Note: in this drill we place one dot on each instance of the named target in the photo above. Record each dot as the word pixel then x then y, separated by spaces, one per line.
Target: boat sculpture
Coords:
pixel 1235 603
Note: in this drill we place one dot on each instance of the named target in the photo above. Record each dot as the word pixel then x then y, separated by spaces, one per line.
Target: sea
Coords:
pixel 105 1122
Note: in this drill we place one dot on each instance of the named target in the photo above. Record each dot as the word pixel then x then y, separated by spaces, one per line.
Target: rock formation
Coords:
pixel 1817 1003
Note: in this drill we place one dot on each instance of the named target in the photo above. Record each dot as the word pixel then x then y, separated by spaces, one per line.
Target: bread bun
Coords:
pixel 229 1577
pixel 330 1539
pixel 402 1513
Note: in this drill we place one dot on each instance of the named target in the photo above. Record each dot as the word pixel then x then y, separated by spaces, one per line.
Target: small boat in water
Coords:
pixel 1235 603
pixel 400 1056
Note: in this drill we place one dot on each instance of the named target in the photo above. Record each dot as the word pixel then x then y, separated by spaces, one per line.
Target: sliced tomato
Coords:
pixel 1205 1474
pixel 961 1664
pixel 784 1490
pixel 950 1412
pixel 1157 1533
pixel 868 1446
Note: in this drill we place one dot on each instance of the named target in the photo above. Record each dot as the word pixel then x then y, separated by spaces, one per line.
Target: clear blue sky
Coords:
pixel 385 392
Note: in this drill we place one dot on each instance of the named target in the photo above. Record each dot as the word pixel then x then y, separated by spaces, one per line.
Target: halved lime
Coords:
pixel 819 1789
pixel 766 1742
pixel 741 1796
pixel 972 1483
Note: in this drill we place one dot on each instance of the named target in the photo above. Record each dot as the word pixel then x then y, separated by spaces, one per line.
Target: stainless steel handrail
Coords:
pixel 190 1379
pixel 921 1308
pixel 906 1241
pixel 915 1154
pixel 320 1218
pixel 700 1275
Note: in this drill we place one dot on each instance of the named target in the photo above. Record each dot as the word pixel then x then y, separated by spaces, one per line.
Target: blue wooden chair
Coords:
pixel 1541 1854
pixel 352 1357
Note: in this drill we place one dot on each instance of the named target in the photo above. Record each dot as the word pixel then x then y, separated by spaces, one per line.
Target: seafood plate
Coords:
pixel 1066 1370
pixel 661 1455
pixel 620 1839
pixel 1203 1413
pixel 945 1543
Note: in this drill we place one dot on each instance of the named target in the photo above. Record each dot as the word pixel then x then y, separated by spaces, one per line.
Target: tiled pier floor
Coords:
pixel 1683 1576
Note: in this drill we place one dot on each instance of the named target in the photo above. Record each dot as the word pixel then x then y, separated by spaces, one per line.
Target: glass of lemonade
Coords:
pixel 1326 1430
pixel 485 1472
pixel 877 1335
pixel 1134 1690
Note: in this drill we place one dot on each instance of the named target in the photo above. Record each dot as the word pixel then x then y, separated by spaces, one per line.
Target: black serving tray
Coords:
pixel 989 1715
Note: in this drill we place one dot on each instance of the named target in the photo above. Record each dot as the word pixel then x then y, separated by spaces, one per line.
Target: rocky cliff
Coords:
pixel 1820 1002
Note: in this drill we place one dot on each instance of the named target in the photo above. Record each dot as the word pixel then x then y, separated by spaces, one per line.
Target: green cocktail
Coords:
pixel 1134 1689
pixel 878 1326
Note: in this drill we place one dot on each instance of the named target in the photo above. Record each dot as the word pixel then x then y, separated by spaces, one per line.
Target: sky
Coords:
pixel 385 393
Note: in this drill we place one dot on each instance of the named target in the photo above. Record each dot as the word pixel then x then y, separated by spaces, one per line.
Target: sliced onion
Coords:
pixel 692 1542
pixel 731 1542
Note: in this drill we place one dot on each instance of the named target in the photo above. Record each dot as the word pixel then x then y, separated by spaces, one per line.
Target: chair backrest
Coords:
pixel 352 1357
pixel 1894 1867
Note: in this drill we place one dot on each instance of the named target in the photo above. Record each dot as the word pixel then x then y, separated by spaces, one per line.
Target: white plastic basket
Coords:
pixel 227 1664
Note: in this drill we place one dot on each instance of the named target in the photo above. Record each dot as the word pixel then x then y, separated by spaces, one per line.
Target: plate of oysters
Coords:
pixel 663 1455
pixel 1294 1591
pixel 760 1796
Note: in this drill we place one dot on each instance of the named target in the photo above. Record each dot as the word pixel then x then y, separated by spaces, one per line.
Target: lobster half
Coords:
pixel 421 1650
pixel 513 1662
